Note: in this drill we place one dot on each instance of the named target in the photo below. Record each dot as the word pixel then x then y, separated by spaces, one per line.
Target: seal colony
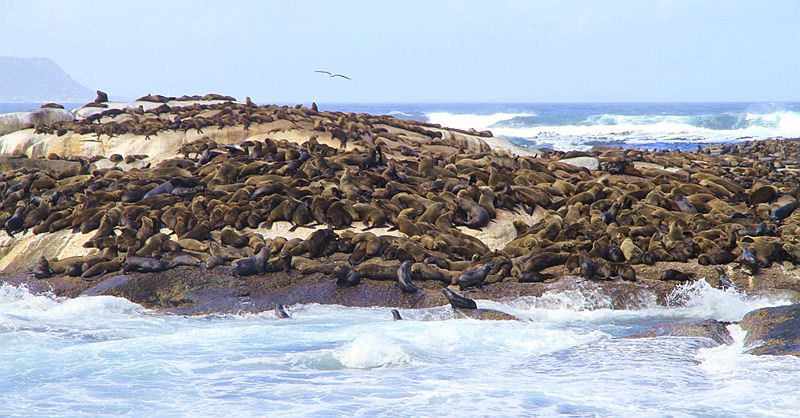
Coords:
pixel 367 201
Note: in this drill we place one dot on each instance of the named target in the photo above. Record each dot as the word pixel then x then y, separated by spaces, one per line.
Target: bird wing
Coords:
pixel 324 72
pixel 340 75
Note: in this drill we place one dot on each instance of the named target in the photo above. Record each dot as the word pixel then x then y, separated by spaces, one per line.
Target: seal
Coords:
pixel 255 264
pixel 477 216
pixel 474 278
pixel 588 269
pixel 396 315
pixel 142 264
pixel 101 97
pixel 749 263
pixel 676 275
pixel 347 277
pixel 280 312
pixel 437 261
pixel 724 281
pixel 16 222
pixel 457 301
pixel 404 277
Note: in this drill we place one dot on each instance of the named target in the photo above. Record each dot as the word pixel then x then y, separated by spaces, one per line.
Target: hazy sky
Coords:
pixel 420 51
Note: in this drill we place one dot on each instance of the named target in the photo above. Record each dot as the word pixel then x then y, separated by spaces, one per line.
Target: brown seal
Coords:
pixel 102 97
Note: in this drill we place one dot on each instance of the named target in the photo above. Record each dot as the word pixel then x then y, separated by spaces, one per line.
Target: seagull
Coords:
pixel 332 74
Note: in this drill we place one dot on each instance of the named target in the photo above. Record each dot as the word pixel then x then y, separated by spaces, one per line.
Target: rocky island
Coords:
pixel 201 204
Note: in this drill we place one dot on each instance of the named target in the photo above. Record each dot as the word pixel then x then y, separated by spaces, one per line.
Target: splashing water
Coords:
pixel 105 356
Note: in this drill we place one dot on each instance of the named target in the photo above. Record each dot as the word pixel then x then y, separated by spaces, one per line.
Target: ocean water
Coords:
pixel 105 356
pixel 580 126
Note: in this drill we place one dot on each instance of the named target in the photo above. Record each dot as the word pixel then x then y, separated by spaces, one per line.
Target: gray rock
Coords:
pixel 590 163
pixel 484 315
pixel 773 331
pixel 714 330
pixel 12 122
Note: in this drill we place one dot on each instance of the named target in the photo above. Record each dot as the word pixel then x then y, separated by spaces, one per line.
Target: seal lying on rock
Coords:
pixel 142 264
pixel 457 301
pixel 254 264
pixel 676 275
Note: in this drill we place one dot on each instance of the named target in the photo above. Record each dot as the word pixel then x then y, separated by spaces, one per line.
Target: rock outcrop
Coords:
pixel 773 330
pixel 206 182
pixel 713 330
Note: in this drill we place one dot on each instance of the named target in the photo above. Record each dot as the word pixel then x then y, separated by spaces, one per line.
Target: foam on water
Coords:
pixel 104 356
pixel 567 128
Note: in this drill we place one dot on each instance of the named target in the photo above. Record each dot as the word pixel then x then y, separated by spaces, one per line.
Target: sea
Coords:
pixel 571 354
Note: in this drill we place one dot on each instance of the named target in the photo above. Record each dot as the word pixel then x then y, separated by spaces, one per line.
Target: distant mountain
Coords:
pixel 34 80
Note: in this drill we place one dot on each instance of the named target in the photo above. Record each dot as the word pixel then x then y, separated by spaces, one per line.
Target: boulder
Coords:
pixel 773 331
pixel 712 329
pixel 484 315
pixel 12 122
pixel 590 163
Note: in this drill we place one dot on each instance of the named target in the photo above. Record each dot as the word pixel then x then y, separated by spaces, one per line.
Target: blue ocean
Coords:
pixel 570 356
pixel 580 126
pixel 106 357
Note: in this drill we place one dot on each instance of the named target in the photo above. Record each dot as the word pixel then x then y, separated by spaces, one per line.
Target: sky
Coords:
pixel 419 51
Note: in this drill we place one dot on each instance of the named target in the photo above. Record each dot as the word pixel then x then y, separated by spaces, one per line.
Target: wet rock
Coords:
pixel 773 331
pixel 484 315
pixel 712 329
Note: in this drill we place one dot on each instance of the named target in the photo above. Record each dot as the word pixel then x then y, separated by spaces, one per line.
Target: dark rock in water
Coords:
pixel 396 315
pixel 485 314
pixel 775 330
pixel 710 328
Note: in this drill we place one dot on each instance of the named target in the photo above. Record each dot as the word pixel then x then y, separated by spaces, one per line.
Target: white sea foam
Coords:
pixel 567 359
pixel 630 129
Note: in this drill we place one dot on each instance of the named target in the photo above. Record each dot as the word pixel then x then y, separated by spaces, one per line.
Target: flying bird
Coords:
pixel 331 75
